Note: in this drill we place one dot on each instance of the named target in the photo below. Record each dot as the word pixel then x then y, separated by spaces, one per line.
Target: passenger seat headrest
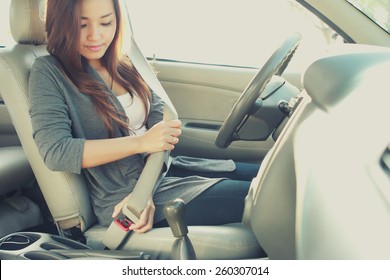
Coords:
pixel 330 79
pixel 27 21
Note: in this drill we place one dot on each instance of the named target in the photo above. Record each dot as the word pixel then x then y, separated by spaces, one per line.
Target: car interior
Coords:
pixel 283 217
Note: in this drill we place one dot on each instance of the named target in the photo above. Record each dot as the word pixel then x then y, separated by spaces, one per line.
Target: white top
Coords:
pixel 135 111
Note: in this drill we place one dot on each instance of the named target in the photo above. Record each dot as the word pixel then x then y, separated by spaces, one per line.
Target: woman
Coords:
pixel 93 114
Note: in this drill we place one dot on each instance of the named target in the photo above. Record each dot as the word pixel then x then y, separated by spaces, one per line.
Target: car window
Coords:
pixel 5 33
pixel 377 10
pixel 240 33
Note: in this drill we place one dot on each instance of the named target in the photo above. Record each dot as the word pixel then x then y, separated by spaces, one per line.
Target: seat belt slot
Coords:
pixel 117 233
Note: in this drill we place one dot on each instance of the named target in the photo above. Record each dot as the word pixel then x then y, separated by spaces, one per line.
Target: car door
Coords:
pixel 205 54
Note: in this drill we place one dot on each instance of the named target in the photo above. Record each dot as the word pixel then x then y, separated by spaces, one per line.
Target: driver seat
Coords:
pixel 66 194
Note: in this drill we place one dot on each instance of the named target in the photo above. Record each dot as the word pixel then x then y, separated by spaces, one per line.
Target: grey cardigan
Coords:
pixel 63 118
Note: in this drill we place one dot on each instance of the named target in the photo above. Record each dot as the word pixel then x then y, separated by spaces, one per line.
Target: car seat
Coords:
pixel 66 194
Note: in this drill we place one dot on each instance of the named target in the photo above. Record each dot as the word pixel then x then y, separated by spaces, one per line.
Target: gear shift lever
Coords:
pixel 174 212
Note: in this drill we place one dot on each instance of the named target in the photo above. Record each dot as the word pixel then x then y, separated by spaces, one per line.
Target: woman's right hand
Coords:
pixel 163 136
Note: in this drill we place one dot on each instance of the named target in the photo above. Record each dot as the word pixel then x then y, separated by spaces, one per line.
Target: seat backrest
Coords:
pixel 66 194
pixel 342 180
pixel 271 202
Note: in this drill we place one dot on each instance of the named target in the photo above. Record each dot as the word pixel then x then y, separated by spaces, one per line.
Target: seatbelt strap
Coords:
pixel 147 73
pixel 146 185
pixel 150 178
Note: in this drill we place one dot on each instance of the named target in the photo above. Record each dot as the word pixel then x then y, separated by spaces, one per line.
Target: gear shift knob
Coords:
pixel 182 248
pixel 174 212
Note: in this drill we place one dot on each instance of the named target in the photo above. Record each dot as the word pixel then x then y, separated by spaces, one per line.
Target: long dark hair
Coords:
pixel 63 21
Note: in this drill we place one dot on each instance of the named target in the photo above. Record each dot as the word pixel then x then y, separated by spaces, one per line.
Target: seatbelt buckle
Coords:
pixel 124 224
pixel 117 233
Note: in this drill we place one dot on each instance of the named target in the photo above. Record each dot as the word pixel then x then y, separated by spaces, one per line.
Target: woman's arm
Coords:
pixel 145 222
pixel 52 130
pixel 50 120
pixel 161 137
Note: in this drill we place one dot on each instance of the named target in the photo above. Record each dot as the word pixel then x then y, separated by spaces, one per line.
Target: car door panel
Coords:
pixel 203 96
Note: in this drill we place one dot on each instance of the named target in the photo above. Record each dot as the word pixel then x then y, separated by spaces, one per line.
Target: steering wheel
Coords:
pixel 275 65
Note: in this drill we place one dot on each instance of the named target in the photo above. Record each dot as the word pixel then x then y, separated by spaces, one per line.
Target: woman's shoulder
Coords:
pixel 46 71
pixel 46 62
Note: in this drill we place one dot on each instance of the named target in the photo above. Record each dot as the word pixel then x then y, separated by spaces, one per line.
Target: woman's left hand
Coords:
pixel 145 222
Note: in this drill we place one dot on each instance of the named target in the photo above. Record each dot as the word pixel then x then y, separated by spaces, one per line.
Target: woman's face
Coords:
pixel 98 26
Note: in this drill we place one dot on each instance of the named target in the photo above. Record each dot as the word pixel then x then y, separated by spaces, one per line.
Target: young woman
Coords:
pixel 93 114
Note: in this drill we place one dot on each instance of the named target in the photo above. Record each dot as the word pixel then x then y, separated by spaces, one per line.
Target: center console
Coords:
pixel 43 246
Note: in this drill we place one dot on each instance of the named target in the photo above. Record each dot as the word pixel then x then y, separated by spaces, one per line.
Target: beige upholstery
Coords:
pixel 65 193
pixel 15 64
pixel 17 212
pixel 28 26
pixel 271 212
